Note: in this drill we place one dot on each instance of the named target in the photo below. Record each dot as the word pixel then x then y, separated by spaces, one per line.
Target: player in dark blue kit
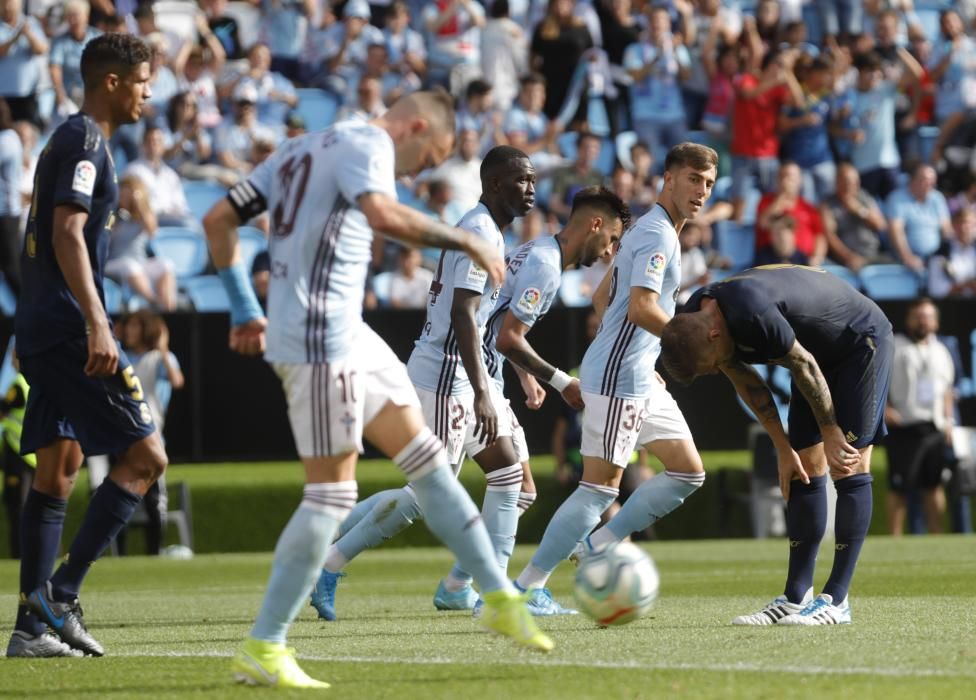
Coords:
pixel 838 347
pixel 84 396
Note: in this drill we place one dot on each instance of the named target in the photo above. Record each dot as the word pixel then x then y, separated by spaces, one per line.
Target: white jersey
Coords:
pixel 320 241
pixel 435 363
pixel 620 360
pixel 532 276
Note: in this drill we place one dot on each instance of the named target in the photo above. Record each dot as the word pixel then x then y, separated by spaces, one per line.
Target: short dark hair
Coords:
pixel 477 88
pixel 585 135
pixel 498 158
pixel 692 155
pixel 869 60
pixel 604 200
pixel 112 53
pixel 533 78
pixel 681 340
pixel 921 301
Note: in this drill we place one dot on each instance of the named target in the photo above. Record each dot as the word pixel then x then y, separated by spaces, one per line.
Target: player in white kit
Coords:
pixel 534 272
pixel 626 404
pixel 326 193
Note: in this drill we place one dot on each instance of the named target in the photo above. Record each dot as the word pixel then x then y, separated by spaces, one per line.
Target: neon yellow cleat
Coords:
pixel 505 613
pixel 271 664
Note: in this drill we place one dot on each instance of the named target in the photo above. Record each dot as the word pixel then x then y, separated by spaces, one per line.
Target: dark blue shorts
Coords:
pixel 105 415
pixel 859 389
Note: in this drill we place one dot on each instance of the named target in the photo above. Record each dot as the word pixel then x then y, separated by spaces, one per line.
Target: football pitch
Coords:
pixel 169 628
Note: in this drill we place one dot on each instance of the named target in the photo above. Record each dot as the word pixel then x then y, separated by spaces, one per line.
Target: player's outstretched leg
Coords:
pixel 298 557
pixel 806 521
pixel 391 512
pixel 852 518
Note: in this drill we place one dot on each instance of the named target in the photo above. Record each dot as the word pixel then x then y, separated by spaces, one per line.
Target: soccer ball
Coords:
pixel 616 584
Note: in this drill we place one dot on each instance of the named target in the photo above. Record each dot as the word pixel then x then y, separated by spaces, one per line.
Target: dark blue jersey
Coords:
pixel 75 168
pixel 768 308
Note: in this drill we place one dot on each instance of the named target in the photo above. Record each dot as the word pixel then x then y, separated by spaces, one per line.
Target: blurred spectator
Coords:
pixel 953 69
pixel 162 80
pixel 841 18
pixel 189 146
pixel 527 128
pixel 504 55
pixel 65 66
pixel 29 136
pixel 21 40
pixel 809 238
pixel 920 415
pixel 393 84
pixel 11 171
pixel 454 27
pixel 336 54
pixel 224 28
pixel 852 222
pixel 870 123
pixel 163 184
pixel 767 23
pixel 918 218
pixel 580 173
pixel 477 114
pixel 405 46
pixel 782 248
pixel 761 92
pixel 294 125
pixel 646 183
pixel 658 65
pixel 197 69
pixel 411 282
pixel 805 138
pixel 463 171
pixel 720 66
pixel 146 342
pixel 276 94
pixel 441 202
pixel 284 29
pixel 236 136
pixel 128 261
pixel 966 197
pixel 557 46
pixel 619 29
pixel 144 16
pixel 694 262
pixel 953 271
pixel 368 103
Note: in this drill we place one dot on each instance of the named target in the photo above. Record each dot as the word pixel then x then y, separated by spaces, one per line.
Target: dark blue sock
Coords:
pixel 806 520
pixel 41 522
pixel 851 522
pixel 109 511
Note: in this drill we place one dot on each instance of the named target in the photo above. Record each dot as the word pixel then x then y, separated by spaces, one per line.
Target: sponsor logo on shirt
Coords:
pixel 477 274
pixel 655 265
pixel 529 300
pixel 84 180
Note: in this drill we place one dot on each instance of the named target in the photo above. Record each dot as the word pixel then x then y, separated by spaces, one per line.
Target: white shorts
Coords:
pixel 329 404
pixel 614 427
pixel 451 418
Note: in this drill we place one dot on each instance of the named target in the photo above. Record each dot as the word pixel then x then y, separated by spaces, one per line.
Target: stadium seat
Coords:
pixel 844 273
pixel 248 18
pixel 382 287
pixel 722 188
pixel 737 242
pixel 571 290
pixel 207 293
pixel 201 195
pixel 884 282
pixel 317 107
pixel 624 142
pixel 929 12
pixel 186 249
pixel 252 241
pixel 113 296
pixel 8 302
pixel 814 24
pixel 605 161
pixel 699 137
pixel 596 116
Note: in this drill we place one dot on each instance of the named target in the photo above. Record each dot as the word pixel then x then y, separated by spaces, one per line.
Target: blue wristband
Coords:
pixel 244 304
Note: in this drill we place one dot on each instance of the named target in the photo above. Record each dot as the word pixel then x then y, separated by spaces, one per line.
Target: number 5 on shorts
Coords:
pixel 132 383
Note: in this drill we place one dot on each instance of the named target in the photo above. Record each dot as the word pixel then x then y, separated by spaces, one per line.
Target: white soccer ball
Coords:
pixel 616 584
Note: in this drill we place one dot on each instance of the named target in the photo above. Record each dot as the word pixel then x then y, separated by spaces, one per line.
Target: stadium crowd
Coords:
pixel 845 126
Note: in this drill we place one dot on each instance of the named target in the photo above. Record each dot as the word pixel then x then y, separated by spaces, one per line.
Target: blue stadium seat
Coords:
pixel 201 195
pixel 929 12
pixel 186 249
pixel 252 241
pixel 722 188
pixel 571 292
pixel 699 137
pixel 596 116
pixel 8 302
pixel 751 205
pixel 927 136
pixel 113 296
pixel 845 274
pixel 814 23
pixel 889 282
pixel 605 161
pixel 382 286
pixel 207 293
pixel 317 107
pixel 737 242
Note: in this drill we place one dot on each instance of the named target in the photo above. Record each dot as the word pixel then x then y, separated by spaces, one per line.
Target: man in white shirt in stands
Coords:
pixel 166 196
pixel 463 170
pixel 411 282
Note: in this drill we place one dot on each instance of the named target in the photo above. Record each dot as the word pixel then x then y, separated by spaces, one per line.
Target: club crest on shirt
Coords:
pixel 84 180
pixel 655 265
pixel 529 300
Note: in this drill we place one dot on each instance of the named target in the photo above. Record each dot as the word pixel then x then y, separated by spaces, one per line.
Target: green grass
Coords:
pixel 170 626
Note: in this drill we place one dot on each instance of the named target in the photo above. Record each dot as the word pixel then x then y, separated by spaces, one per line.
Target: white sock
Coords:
pixel 525 501
pixel 335 561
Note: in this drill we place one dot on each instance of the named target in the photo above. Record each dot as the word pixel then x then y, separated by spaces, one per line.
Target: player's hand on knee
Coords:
pixel 842 457
pixel 573 395
pixel 485 419
pixel 790 467
pixel 249 338
pixel 103 352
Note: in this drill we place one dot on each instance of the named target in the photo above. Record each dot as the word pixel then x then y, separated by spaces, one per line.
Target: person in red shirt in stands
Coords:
pixel 767 85
pixel 809 231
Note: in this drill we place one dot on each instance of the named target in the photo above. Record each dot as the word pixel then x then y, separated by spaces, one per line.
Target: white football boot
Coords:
pixel 776 611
